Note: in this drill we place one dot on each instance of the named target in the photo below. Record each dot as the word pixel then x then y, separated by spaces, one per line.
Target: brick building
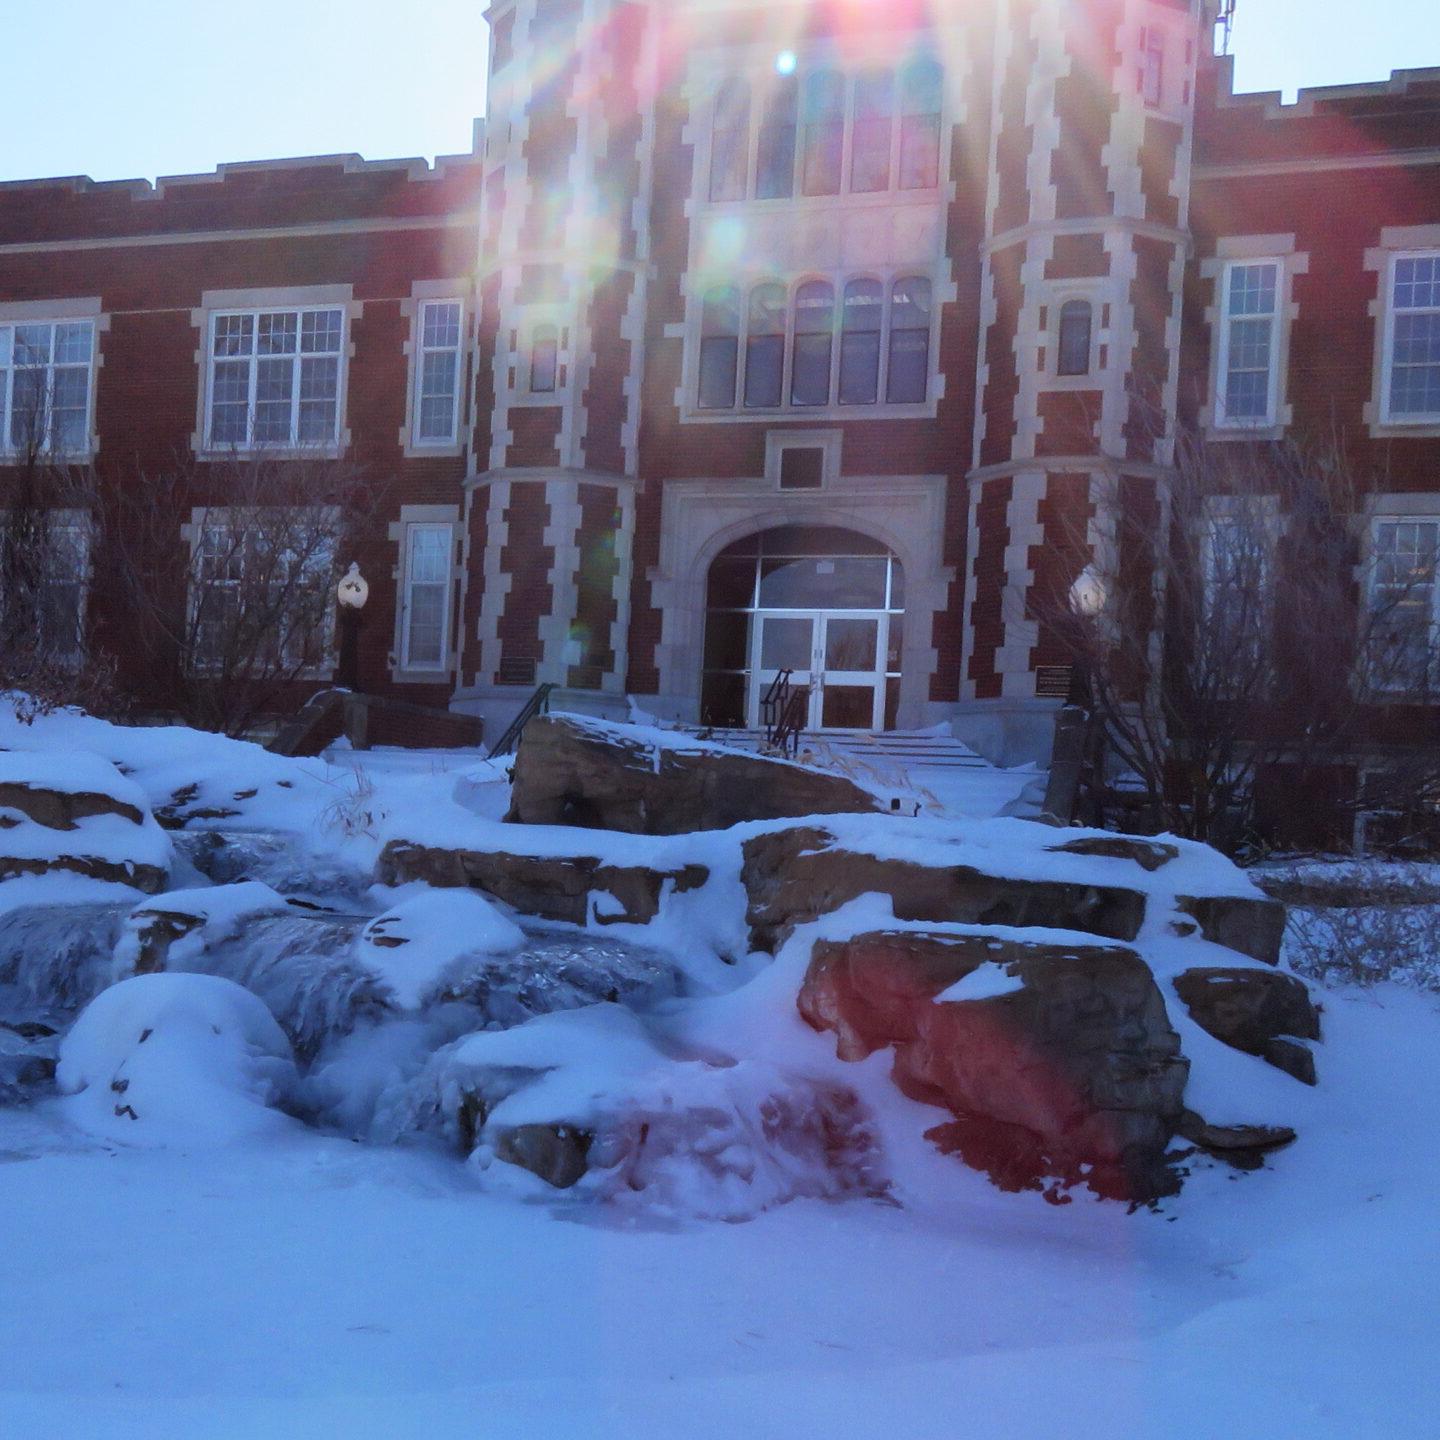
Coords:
pixel 800 334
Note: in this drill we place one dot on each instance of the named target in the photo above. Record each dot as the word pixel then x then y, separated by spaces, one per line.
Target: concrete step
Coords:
pixel 894 748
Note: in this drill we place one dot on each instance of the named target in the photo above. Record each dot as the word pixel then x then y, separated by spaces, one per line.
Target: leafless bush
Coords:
pixel 50 524
pixel 1246 630
pixel 228 568
pixel 1363 923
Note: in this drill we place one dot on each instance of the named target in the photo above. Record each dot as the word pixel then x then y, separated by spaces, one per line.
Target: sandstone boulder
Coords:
pixel 794 876
pixel 1149 855
pixel 574 771
pixel 1262 1012
pixel 1253 925
pixel 1243 1146
pixel 1062 1068
pixel 75 814
pixel 550 887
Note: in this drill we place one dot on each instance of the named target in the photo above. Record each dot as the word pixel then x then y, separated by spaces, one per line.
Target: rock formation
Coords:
pixel 573 771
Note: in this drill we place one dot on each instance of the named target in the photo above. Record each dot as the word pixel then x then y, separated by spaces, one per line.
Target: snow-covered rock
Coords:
pixel 301 964
pixel 176 1060
pixel 413 946
pixel 575 770
pixel 74 816
pixel 588 1101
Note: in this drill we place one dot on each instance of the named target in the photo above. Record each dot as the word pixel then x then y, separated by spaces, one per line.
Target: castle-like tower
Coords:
pixel 814 285
pixel 562 295
pixel 1085 249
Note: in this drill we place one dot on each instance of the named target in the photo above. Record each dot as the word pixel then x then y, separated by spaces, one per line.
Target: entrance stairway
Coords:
pixel 924 772
pixel 890 749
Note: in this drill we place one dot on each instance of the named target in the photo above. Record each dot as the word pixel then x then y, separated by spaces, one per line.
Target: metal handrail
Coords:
pixel 791 724
pixel 537 704
pixel 773 703
pixel 784 710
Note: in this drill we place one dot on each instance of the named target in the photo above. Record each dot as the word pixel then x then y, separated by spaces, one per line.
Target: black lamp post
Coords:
pixel 1088 597
pixel 352 592
pixel 1074 757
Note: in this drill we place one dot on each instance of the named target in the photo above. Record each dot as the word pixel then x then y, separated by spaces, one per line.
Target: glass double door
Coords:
pixel 840 655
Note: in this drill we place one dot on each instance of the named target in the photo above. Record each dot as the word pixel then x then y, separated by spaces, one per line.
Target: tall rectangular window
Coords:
pixel 46 371
pixel 438 368
pixel 262 591
pixel 870 134
pixel 427 595
pixel 1152 66
pixel 275 378
pixel 775 158
pixel 1412 391
pixel 1249 348
pixel 44 602
pixel 1236 555
pixel 1405 604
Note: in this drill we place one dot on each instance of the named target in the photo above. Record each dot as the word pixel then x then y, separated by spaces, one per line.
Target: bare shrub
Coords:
pixel 1247 632
pixel 50 527
pixel 228 569
pixel 1362 922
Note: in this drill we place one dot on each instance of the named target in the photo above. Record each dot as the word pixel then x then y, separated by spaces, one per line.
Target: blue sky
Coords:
pixel 147 87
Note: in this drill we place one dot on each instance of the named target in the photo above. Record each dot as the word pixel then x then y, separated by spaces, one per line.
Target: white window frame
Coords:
pixel 1224 320
pixel 1429 418
pixel 418 440
pixel 293 444
pixel 411 529
pixel 757 78
pixel 887 277
pixel 1398 690
pixel 9 370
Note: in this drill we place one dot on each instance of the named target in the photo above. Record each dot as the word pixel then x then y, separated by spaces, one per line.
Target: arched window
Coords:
pixel 921 89
pixel 1074 348
pixel 814 344
pixel 775 164
pixel 719 348
pixel 870 139
pixel 860 342
pixel 765 347
pixel 824 145
pixel 544 359
pixel 909 372
pixel 730 142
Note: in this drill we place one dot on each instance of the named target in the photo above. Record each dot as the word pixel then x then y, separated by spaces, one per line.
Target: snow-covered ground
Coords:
pixel 313 1287
pixel 263 1278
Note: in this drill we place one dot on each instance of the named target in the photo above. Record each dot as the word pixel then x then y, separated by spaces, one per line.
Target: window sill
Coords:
pixel 402 675
pixel 215 453
pixel 1230 431
pixel 434 450
pixel 1423 427
pixel 928 195
pixel 921 410
pixel 11 458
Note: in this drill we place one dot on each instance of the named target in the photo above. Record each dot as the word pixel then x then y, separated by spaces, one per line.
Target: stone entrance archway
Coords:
pixel 825 604
pixel 903 515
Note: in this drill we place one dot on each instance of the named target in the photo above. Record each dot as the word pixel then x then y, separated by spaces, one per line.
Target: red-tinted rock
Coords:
pixel 1074 1075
